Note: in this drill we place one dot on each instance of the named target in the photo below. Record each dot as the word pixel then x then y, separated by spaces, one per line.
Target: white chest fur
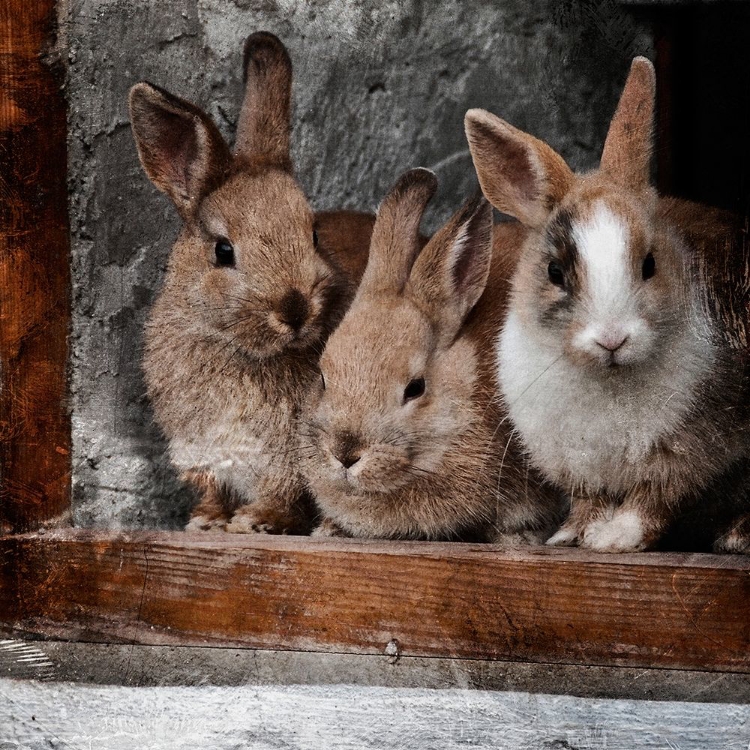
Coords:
pixel 581 430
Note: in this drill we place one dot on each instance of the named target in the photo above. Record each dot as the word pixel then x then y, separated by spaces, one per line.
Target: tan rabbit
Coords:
pixel 623 358
pixel 404 429
pixel 254 286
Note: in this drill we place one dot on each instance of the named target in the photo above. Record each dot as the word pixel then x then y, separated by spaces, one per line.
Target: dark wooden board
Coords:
pixel 34 271
pixel 450 600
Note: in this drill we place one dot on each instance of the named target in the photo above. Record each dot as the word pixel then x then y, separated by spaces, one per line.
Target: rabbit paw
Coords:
pixel 206 523
pixel 565 536
pixel 737 539
pixel 624 532
pixel 526 538
pixel 328 528
pixel 251 520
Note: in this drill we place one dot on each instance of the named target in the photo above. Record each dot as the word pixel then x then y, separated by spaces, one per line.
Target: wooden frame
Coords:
pixel 466 601
pixel 34 271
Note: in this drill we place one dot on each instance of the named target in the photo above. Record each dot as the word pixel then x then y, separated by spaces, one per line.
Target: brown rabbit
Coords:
pixel 404 429
pixel 254 286
pixel 623 358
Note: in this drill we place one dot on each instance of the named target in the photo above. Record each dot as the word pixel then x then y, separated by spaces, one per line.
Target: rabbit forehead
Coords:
pixel 606 230
pixel 248 204
pixel 377 347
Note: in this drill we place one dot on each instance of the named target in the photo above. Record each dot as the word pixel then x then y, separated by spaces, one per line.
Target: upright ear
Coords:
pixel 450 274
pixel 395 236
pixel 180 148
pixel 265 119
pixel 627 150
pixel 519 174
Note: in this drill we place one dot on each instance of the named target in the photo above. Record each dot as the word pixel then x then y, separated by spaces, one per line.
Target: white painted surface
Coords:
pixel 324 717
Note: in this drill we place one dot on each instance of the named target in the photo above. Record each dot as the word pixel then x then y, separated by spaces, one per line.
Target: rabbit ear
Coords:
pixel 265 119
pixel 451 272
pixel 520 175
pixel 627 150
pixel 395 236
pixel 180 148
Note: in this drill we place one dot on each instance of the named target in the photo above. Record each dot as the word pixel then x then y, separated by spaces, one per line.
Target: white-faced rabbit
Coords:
pixel 404 430
pixel 623 359
pixel 254 286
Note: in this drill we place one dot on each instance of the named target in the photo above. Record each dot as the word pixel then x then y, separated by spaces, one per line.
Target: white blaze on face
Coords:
pixel 602 241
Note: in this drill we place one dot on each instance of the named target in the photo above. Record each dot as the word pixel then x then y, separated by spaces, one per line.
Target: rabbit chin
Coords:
pixel 271 342
pixel 602 363
pixel 371 476
pixel 581 349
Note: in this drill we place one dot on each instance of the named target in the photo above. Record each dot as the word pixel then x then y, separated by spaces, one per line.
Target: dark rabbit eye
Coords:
pixel 315 238
pixel 414 390
pixel 649 267
pixel 555 274
pixel 323 380
pixel 224 252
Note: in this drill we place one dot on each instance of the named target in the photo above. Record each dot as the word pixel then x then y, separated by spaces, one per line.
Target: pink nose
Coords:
pixel 612 341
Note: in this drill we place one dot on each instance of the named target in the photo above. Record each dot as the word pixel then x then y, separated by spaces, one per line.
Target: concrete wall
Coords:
pixel 379 87
pixel 38 715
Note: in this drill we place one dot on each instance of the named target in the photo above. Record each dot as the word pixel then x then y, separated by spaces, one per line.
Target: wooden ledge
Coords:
pixel 682 611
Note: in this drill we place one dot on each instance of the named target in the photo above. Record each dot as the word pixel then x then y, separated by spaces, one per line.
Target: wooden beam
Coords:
pixel 451 600
pixel 34 272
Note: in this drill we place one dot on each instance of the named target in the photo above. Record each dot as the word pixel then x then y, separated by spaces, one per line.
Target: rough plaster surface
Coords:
pixel 62 715
pixel 379 87
pixel 162 666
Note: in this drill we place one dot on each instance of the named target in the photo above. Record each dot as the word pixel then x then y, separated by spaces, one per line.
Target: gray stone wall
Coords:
pixel 379 87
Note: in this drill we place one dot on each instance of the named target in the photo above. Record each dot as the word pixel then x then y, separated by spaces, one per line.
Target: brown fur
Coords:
pixel 425 468
pixel 626 157
pixel 524 175
pixel 699 254
pixel 231 348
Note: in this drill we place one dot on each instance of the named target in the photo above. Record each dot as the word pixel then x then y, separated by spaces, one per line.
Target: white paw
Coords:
pixel 204 523
pixel 733 543
pixel 565 536
pixel 622 533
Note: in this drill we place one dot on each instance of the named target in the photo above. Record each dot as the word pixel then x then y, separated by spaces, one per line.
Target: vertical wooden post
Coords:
pixel 34 272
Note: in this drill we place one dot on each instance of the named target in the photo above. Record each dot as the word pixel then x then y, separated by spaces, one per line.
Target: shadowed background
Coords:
pixel 379 87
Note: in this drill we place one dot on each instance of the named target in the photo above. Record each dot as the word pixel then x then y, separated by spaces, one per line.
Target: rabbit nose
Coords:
pixel 348 460
pixel 612 341
pixel 293 309
pixel 348 450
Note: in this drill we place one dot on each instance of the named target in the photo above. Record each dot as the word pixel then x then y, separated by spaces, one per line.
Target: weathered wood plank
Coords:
pixel 34 272
pixel 450 600
pixel 35 715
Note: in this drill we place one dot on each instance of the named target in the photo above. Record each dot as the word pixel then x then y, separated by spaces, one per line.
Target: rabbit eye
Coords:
pixel 224 252
pixel 323 380
pixel 649 267
pixel 315 238
pixel 555 273
pixel 414 390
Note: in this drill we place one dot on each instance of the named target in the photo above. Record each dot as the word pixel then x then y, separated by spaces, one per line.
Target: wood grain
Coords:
pixel 34 272
pixel 450 600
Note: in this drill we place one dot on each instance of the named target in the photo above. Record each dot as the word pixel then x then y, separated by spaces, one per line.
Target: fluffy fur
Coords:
pixel 404 428
pixel 255 285
pixel 623 359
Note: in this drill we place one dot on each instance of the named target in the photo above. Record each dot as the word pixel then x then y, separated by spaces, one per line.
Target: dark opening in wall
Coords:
pixel 704 102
